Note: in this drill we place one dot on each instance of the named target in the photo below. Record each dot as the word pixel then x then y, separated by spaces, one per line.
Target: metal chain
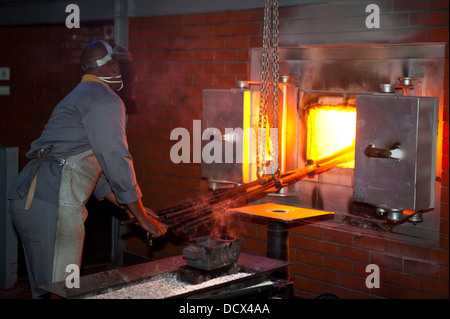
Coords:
pixel 270 28
pixel 275 88
pixel 263 96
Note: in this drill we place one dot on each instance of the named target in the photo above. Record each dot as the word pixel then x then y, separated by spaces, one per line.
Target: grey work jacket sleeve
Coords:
pixel 102 188
pixel 105 127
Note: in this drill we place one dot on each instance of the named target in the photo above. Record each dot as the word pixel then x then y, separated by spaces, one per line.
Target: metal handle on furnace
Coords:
pixel 393 153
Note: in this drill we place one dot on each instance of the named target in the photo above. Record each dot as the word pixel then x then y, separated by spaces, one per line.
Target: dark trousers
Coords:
pixel 37 229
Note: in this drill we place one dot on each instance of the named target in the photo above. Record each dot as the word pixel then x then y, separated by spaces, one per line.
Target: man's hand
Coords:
pixel 150 213
pixel 147 219
pixel 153 226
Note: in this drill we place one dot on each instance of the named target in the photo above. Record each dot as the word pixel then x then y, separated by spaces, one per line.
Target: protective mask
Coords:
pixel 113 80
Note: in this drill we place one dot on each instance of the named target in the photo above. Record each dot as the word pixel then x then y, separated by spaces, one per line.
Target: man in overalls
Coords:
pixel 82 150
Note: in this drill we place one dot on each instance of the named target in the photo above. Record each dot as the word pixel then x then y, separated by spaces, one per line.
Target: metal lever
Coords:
pixel 393 153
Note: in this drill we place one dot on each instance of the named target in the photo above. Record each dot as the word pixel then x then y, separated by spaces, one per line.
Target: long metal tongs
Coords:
pixel 189 215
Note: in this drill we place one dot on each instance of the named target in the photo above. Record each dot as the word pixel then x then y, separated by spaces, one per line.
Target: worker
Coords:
pixel 82 150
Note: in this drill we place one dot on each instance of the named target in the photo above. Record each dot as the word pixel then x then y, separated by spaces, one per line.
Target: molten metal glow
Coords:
pixel 330 129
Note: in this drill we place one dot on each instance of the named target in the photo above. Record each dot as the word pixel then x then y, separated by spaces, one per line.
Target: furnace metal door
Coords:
pixel 395 151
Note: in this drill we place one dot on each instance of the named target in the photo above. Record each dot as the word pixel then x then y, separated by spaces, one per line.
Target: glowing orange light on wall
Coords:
pixel 250 141
pixel 330 129
pixel 247 175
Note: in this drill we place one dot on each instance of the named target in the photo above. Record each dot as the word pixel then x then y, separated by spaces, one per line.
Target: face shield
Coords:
pixel 127 94
pixel 125 60
pixel 110 55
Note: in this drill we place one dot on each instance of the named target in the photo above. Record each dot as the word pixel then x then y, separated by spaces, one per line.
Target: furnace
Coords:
pixel 329 97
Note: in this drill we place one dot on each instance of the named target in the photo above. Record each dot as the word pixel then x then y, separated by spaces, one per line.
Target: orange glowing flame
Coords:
pixel 330 129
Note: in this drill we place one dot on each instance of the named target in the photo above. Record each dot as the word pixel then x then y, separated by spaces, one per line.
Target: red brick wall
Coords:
pixel 177 58
pixel 180 56
pixel 44 64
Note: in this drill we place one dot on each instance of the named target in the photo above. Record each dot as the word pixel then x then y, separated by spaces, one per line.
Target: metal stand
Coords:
pixel 279 218
pixel 278 241
pixel 278 248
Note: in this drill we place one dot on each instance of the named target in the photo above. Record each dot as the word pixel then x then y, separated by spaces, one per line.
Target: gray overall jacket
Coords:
pixel 82 150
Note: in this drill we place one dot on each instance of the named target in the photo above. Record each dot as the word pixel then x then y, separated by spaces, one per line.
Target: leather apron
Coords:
pixel 79 176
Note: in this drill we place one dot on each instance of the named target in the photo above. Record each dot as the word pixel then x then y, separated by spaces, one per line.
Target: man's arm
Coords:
pixel 148 223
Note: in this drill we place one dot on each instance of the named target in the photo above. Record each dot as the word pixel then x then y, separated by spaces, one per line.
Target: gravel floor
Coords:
pixel 163 286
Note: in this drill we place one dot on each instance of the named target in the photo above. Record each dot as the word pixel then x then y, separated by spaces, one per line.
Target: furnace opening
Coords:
pixel 330 128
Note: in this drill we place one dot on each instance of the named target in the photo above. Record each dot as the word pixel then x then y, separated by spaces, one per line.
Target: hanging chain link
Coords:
pixel 275 88
pixel 263 101
pixel 269 57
